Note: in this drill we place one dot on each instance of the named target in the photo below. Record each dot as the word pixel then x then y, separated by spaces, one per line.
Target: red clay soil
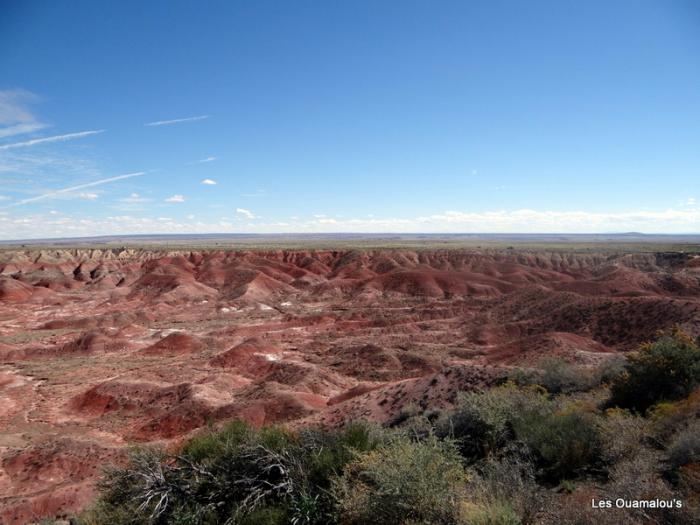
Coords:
pixel 103 348
pixel 175 343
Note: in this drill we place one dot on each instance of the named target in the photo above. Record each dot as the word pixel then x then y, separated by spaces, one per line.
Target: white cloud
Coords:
pixel 209 182
pixel 319 215
pixel 245 213
pixel 54 138
pixel 206 159
pixel 134 198
pixel 190 217
pixel 88 196
pixel 20 129
pixel 175 198
pixel 57 193
pixel 134 203
pixel 515 221
pixel 176 121
pixel 4 198
pixel 15 118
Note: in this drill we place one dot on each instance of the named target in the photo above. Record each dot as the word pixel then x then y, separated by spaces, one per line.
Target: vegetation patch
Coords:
pixel 512 454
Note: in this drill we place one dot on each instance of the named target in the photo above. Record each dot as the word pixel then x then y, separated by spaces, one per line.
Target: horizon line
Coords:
pixel 354 234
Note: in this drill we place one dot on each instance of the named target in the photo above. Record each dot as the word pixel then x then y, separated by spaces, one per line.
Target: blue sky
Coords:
pixel 410 116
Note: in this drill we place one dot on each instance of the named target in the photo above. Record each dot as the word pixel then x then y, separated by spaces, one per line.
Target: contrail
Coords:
pixel 176 121
pixel 74 188
pixel 55 138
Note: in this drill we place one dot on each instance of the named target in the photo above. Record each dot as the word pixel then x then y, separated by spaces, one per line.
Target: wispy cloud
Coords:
pixel 176 121
pixel 54 138
pixel 176 198
pixel 209 182
pixel 515 221
pixel 62 191
pixel 15 117
pixel 87 196
pixel 19 129
pixel 134 198
pixel 206 159
pixel 246 213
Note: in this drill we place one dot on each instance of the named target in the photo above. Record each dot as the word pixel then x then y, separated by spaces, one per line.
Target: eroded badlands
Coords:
pixel 103 349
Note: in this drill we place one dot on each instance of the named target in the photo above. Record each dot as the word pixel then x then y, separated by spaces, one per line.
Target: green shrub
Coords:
pixel 503 491
pixel 623 435
pixel 557 376
pixel 212 445
pixel 327 453
pixel 565 442
pixel 668 417
pixel 611 368
pixel 238 474
pixel 492 513
pixel 268 515
pixel 406 412
pixel 140 492
pixel 637 478
pixel 685 446
pixel 667 369
pixel 560 377
pixel 482 421
pixel 402 482
pixel 232 472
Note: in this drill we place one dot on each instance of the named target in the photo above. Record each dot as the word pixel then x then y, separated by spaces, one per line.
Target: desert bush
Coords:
pixel 685 446
pixel 474 436
pixel 235 475
pixel 557 376
pixel 481 422
pixel 610 369
pixel 402 482
pixel 565 442
pixel 405 413
pixel 668 369
pixel 140 492
pixel 325 456
pixel 490 513
pixel 502 491
pixel 623 435
pixel 212 445
pixel 214 477
pixel 328 452
pixel 669 417
pixel 268 515
pixel 639 478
